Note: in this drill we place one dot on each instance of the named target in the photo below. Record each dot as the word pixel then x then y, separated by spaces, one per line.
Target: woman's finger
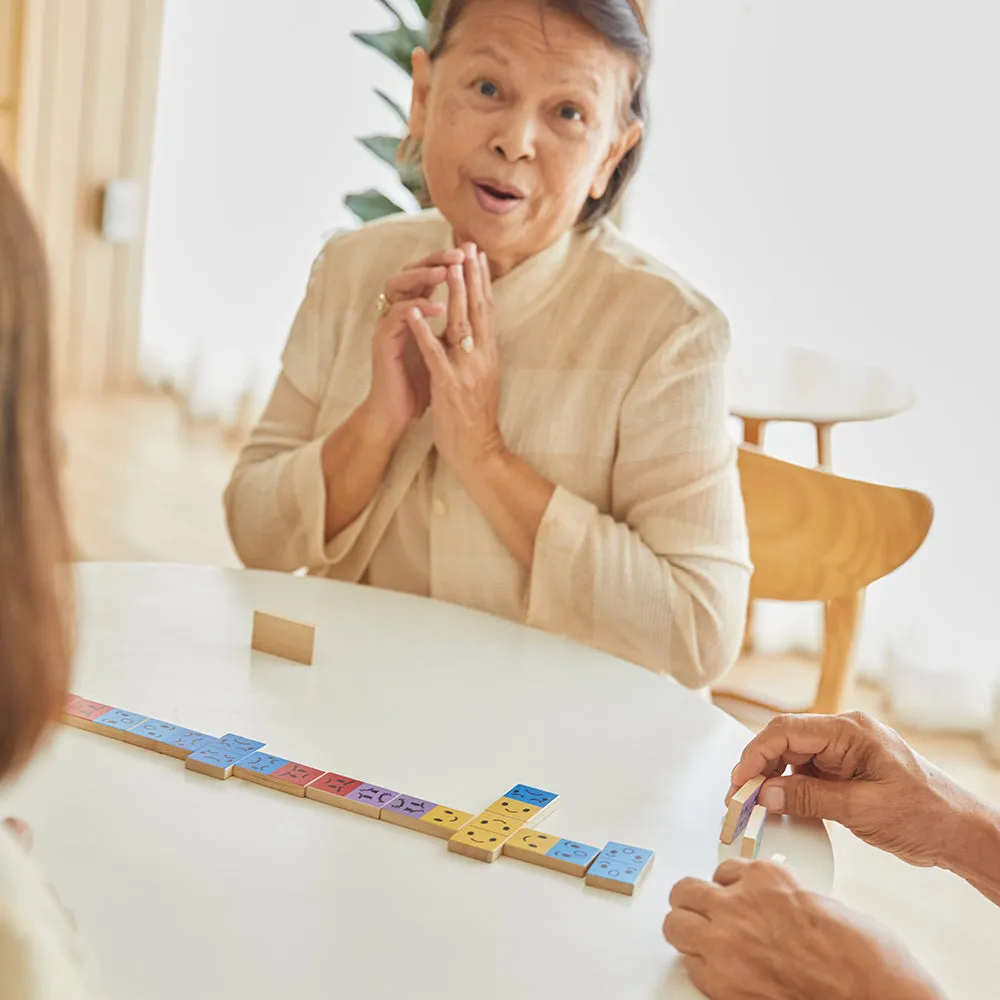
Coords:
pixel 418 283
pixel 431 349
pixel 458 306
pixel 440 258
pixel 394 322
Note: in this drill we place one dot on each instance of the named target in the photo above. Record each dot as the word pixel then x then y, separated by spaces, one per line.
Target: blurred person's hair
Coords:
pixel 36 605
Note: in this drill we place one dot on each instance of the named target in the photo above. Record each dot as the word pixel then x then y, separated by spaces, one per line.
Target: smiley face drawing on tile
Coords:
pixel 513 809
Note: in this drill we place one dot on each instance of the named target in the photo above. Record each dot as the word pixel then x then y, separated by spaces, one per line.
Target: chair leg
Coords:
pixel 842 617
pixel 753 434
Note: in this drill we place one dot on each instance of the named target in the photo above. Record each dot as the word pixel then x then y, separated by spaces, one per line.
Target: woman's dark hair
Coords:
pixel 35 587
pixel 622 24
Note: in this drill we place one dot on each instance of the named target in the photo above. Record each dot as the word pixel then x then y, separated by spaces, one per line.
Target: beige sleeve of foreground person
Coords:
pixel 663 578
pixel 857 772
pixel 41 955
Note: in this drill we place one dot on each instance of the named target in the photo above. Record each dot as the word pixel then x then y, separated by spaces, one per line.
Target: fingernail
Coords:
pixel 773 797
pixel 470 251
pixel 415 313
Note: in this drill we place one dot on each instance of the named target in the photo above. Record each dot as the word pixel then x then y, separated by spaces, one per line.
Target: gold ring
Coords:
pixel 467 344
pixel 382 304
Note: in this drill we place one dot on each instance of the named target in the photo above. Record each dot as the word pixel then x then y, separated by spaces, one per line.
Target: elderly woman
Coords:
pixel 555 451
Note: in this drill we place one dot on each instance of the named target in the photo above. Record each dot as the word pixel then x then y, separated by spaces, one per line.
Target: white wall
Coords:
pixel 259 106
pixel 828 172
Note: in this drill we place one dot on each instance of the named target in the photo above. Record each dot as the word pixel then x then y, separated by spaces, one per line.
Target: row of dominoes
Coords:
pixel 505 827
pixel 745 819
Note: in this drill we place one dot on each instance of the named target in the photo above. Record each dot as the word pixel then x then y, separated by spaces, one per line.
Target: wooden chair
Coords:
pixel 815 536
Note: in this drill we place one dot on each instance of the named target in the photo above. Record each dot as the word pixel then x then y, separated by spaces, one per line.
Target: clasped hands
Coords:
pixel 458 377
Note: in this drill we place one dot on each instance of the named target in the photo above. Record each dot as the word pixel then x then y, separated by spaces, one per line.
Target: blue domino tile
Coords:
pixel 219 755
pixel 616 871
pixel 263 763
pixel 189 739
pixel 118 718
pixel 531 796
pixel 625 854
pixel 570 850
pixel 240 744
pixel 159 731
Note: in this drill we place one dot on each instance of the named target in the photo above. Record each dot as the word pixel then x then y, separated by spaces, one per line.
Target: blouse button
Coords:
pixel 439 508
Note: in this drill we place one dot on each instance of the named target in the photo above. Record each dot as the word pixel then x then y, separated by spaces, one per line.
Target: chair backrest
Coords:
pixel 815 536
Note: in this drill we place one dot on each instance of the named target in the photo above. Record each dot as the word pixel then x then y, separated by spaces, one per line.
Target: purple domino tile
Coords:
pixel 744 817
pixel 373 795
pixel 406 805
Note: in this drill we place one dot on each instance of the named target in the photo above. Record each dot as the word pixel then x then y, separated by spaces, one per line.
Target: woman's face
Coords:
pixel 521 120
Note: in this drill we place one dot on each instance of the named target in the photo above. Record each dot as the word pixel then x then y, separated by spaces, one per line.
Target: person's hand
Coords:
pixel 399 391
pixel 754 933
pixel 857 772
pixel 464 367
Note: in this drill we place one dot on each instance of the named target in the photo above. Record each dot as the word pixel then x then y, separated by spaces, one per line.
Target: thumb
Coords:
pixel 802 795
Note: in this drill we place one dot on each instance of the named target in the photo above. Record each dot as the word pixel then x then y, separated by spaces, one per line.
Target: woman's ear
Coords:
pixel 421 92
pixel 626 141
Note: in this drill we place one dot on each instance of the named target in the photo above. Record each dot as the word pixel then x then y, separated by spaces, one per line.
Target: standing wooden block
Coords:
pixel 620 868
pixel 740 806
pixel 549 851
pixel 218 759
pixel 284 637
pixel 750 845
pixel 483 837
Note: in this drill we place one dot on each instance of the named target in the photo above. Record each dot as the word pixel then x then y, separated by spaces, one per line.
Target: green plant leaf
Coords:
pixel 397 45
pixel 371 204
pixel 425 7
pixel 396 109
pixel 392 10
pixel 383 146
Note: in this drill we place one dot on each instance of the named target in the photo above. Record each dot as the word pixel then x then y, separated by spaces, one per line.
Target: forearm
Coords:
pixel 973 851
pixel 354 458
pixel 513 497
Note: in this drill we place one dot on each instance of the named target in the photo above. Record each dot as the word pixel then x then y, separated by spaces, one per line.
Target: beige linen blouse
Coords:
pixel 41 955
pixel 612 387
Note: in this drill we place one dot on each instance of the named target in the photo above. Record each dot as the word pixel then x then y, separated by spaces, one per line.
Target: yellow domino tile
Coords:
pixel 530 842
pixel 443 822
pixel 511 809
pixel 483 837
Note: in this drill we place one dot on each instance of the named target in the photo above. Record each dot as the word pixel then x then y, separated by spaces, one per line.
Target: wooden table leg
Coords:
pixel 824 445
pixel 753 434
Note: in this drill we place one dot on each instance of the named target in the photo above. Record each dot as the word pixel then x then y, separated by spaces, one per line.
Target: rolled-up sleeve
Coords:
pixel 276 498
pixel 663 578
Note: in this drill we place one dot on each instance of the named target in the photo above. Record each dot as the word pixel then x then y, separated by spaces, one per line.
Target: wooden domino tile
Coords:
pixel 483 837
pixel 166 738
pixel 81 712
pixel 276 773
pixel 754 833
pixel 515 809
pixel 331 788
pixel 620 868
pixel 407 811
pixel 549 851
pixel 115 722
pixel 443 822
pixel 543 802
pixel 218 759
pixel 284 637
pixel 368 800
pixel 740 806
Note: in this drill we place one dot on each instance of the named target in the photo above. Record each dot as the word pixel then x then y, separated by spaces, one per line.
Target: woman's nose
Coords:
pixel 515 140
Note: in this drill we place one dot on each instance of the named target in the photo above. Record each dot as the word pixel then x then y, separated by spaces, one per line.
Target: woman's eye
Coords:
pixel 570 113
pixel 487 88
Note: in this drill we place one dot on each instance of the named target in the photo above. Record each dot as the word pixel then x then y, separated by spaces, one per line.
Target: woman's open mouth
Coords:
pixel 496 197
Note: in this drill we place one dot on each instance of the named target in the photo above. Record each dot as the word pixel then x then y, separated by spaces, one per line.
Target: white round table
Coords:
pixel 190 886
